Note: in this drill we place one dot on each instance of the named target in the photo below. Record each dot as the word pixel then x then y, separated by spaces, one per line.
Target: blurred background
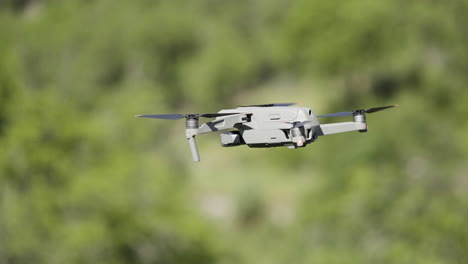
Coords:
pixel 83 181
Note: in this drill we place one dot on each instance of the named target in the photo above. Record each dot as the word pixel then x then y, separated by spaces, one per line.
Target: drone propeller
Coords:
pixel 268 105
pixel 167 116
pixel 357 112
pixel 180 116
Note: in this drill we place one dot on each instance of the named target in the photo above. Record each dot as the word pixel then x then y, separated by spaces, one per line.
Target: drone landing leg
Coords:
pixel 194 148
pixel 191 125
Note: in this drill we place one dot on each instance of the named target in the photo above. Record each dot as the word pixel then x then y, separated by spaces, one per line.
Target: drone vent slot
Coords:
pixel 275 116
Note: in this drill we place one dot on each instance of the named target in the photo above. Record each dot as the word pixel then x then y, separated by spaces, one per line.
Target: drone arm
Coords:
pixel 219 124
pixel 335 128
pixel 222 123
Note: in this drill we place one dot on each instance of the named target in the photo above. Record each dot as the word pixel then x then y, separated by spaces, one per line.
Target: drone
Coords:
pixel 268 125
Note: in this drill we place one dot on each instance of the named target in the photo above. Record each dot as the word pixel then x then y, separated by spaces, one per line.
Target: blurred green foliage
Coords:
pixel 82 181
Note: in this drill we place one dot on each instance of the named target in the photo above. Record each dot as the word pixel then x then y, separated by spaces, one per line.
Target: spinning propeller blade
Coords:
pixel 180 116
pixel 268 105
pixel 340 114
pixel 360 111
pixel 168 116
pixel 218 114
pixel 376 109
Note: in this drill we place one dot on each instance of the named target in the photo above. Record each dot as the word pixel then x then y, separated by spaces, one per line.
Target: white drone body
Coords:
pixel 270 125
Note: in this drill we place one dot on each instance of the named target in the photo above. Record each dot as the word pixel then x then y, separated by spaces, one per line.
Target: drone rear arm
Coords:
pixel 335 128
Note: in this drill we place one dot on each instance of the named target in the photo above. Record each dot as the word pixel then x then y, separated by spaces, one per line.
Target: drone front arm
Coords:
pixel 224 123
pixel 227 122
pixel 335 128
